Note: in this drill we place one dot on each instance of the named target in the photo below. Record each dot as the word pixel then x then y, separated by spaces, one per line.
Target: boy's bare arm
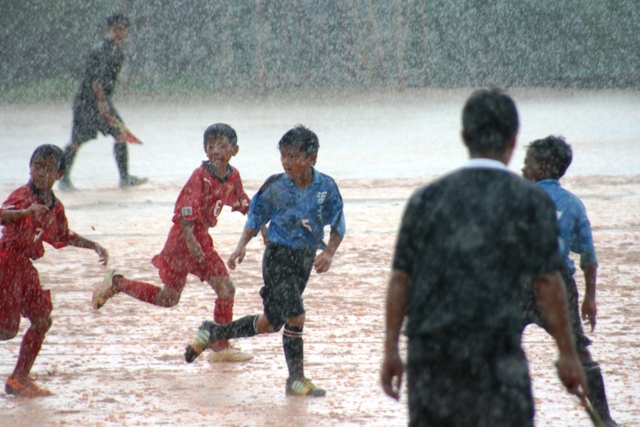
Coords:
pixel 103 105
pixel 552 297
pixel 589 307
pixel 322 263
pixel 11 215
pixel 241 248
pixel 104 108
pixel 81 242
pixel 195 249
pixel 392 367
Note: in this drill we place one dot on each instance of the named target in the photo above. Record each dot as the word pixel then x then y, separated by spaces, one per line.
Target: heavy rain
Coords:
pixel 382 84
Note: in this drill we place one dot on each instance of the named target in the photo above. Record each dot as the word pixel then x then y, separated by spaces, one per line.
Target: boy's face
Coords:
pixel 296 164
pixel 44 173
pixel 219 151
pixel 117 33
pixel 533 170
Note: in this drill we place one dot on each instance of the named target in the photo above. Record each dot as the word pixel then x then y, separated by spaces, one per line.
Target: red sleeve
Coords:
pixel 188 204
pixel 239 200
pixel 57 232
pixel 17 200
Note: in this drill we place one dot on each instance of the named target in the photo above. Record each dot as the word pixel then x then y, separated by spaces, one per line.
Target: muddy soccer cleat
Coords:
pixel 229 354
pixel 201 342
pixel 105 290
pixel 303 387
pixel 25 388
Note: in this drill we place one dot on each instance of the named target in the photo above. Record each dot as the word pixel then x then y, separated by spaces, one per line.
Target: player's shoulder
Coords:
pixel 24 192
pixel 271 181
pixel 234 173
pixel 99 48
pixel 326 179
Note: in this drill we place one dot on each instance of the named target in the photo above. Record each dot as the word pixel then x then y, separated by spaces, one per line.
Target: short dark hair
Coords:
pixel 46 151
pixel 489 121
pixel 220 129
pixel 303 138
pixel 117 18
pixel 554 151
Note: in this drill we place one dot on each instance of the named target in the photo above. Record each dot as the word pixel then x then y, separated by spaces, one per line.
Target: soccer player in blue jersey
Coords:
pixel 296 205
pixel 546 161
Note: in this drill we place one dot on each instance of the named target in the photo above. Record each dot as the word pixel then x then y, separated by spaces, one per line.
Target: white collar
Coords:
pixel 482 163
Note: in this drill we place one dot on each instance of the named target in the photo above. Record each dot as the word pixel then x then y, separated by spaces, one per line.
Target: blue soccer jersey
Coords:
pixel 297 217
pixel 575 228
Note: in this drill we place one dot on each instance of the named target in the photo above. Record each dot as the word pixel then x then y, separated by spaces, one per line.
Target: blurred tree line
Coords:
pixel 263 45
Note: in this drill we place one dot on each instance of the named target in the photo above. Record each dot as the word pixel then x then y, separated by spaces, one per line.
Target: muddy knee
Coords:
pixel 41 325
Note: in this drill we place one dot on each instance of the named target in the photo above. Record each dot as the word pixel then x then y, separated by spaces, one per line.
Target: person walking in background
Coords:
pixel 546 161
pixel 93 109
pixel 467 244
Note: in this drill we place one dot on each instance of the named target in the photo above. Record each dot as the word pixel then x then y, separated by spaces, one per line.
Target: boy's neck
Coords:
pixel 46 196
pixel 305 180
pixel 220 174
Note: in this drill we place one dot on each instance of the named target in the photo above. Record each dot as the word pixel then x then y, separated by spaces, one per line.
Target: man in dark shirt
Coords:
pixel 467 244
pixel 93 109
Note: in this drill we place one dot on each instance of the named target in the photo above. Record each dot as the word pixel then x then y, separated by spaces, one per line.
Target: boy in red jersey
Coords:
pixel 189 247
pixel 32 215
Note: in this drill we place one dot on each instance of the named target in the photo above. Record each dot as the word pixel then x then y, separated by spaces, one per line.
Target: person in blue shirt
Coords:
pixel 546 161
pixel 296 205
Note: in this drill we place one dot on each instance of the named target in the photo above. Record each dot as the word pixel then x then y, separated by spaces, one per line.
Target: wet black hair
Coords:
pixel 554 152
pixel 303 138
pixel 220 129
pixel 47 151
pixel 489 121
pixel 117 18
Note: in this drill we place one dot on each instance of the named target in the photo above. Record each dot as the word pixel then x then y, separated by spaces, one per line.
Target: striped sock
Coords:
pixel 293 347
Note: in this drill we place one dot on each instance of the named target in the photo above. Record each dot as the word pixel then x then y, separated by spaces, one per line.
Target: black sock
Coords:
pixel 241 328
pixel 293 351
pixel 122 159
pixel 597 395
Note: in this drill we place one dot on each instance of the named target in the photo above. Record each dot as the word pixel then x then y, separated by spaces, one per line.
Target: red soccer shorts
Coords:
pixel 174 271
pixel 20 291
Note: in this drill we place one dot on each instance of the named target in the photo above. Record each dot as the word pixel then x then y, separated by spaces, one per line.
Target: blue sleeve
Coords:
pixel 336 214
pixel 582 238
pixel 259 213
pixel 261 207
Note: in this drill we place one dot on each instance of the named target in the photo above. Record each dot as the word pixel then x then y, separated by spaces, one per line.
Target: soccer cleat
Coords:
pixel 105 290
pixel 200 343
pixel 303 387
pixel 25 388
pixel 229 354
pixel 132 181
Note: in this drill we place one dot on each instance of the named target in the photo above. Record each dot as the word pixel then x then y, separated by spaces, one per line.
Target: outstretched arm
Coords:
pixel 241 248
pixel 322 263
pixel 392 367
pixel 12 215
pixel 552 298
pixel 589 307
pixel 81 242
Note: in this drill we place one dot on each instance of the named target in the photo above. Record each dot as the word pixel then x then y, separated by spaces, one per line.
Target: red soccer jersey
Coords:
pixel 25 236
pixel 202 199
